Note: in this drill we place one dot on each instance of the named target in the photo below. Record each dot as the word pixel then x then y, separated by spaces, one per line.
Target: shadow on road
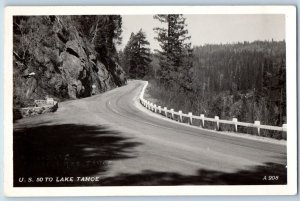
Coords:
pixel 257 175
pixel 70 150
pixel 66 150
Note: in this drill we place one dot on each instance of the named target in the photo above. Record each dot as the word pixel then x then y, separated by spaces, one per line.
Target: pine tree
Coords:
pixel 176 53
pixel 137 55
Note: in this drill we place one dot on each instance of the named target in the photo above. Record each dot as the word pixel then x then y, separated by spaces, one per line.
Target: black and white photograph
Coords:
pixel 172 97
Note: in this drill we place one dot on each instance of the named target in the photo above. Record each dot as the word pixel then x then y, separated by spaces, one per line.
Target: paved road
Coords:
pixel 112 136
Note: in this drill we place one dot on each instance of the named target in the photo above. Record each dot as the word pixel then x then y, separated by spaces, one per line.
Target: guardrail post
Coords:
pixel 235 124
pixel 155 108
pixel 159 109
pixel 166 112
pixel 180 115
pixel 257 124
pixel 172 113
pixel 202 120
pixel 284 127
pixel 217 123
pixel 190 118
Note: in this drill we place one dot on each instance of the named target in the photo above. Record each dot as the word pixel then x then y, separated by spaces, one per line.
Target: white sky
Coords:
pixel 212 29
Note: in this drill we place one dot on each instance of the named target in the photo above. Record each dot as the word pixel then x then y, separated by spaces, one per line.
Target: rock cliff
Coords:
pixel 52 58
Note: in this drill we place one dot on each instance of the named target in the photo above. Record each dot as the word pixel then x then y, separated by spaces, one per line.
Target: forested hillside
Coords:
pixel 243 80
pixel 249 76
pixel 64 57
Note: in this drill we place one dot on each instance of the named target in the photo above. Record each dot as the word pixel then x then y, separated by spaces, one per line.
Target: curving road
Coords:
pixel 136 147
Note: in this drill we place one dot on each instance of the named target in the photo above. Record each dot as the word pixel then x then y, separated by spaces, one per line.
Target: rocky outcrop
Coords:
pixel 40 107
pixel 32 111
pixel 64 63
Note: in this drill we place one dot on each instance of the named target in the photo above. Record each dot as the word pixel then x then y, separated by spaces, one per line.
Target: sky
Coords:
pixel 212 29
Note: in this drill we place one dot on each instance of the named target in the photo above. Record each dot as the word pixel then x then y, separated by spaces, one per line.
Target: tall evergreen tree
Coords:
pixel 176 53
pixel 137 55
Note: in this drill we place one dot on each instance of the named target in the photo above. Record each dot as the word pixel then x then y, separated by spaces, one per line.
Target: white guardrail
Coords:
pixel 170 113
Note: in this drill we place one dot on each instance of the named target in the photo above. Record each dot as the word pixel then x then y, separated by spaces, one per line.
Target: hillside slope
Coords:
pixel 64 61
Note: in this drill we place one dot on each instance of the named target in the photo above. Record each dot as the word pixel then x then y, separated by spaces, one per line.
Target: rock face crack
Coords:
pixel 72 52
pixel 62 38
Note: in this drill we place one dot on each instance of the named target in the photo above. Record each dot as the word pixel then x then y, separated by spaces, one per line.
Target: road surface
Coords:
pixel 112 137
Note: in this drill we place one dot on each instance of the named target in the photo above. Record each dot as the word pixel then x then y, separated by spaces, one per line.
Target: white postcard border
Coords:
pixel 289 189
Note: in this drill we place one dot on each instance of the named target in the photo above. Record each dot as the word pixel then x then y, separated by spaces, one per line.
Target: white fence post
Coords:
pixel 180 115
pixel 202 120
pixel 190 118
pixel 217 123
pixel 155 108
pixel 166 113
pixel 172 113
pixel 257 124
pixel 284 126
pixel 235 124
